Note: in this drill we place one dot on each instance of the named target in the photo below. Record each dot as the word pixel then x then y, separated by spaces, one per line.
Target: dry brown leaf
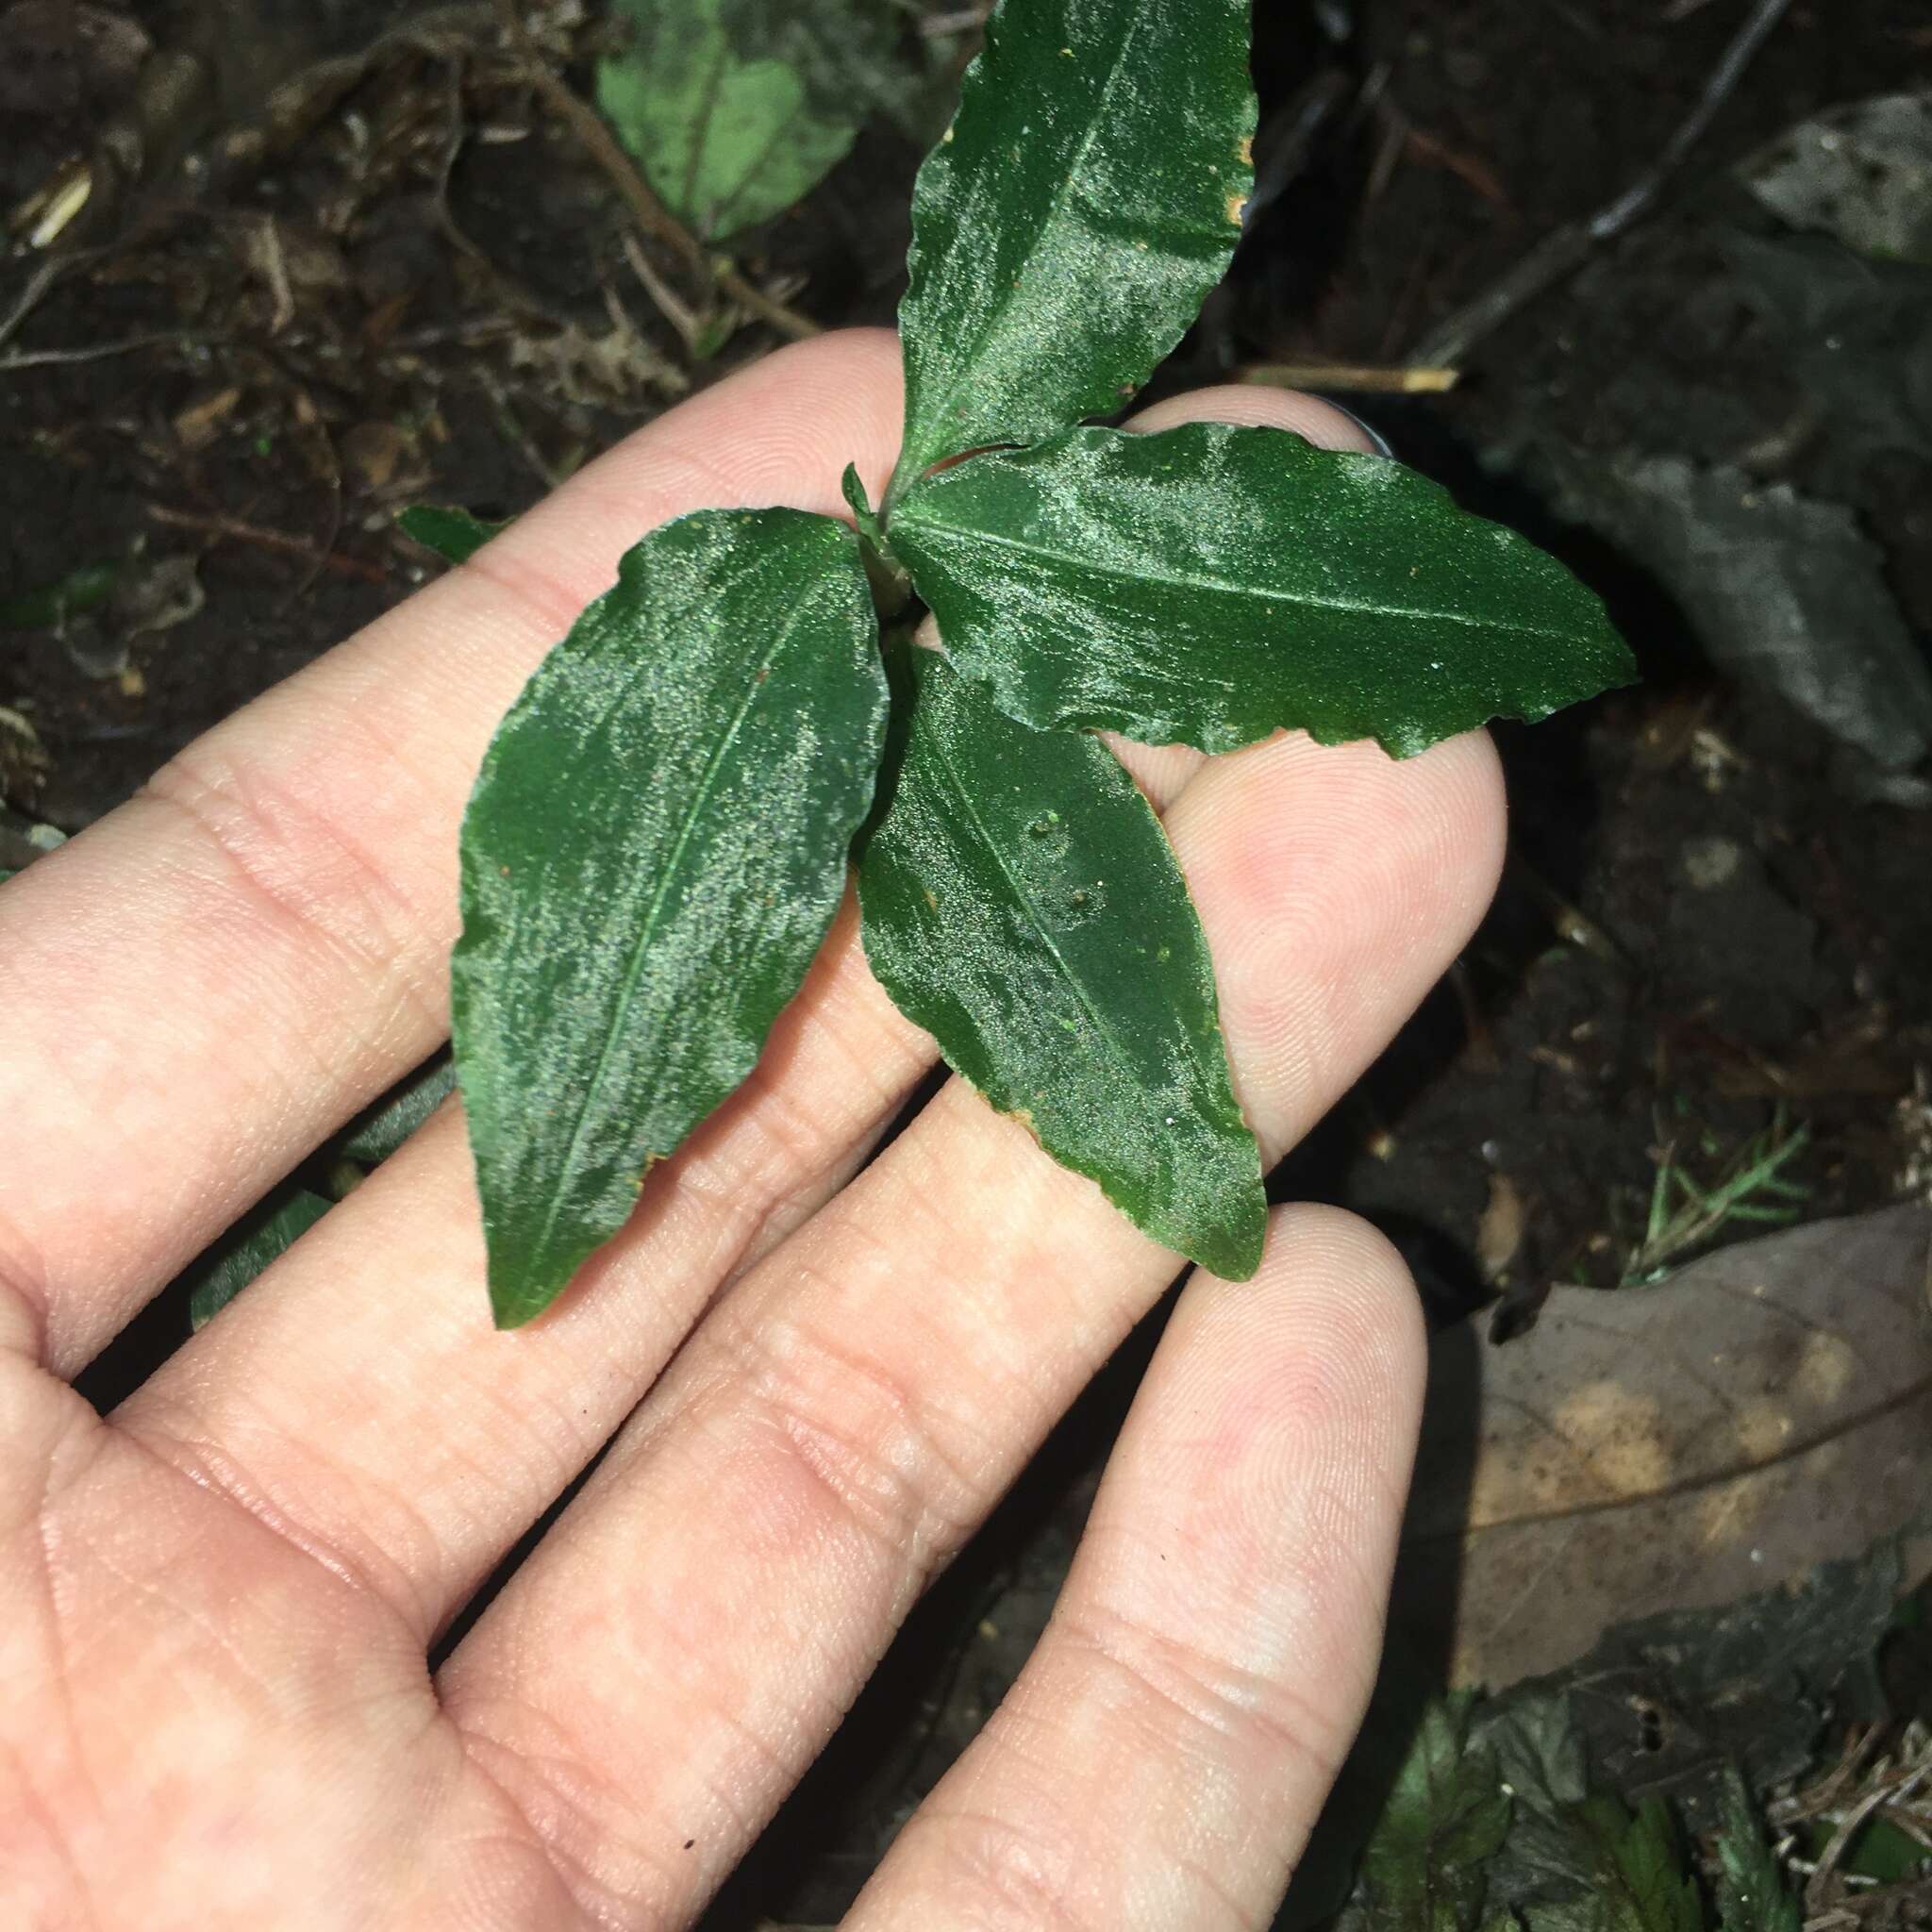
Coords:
pixel 1673 1447
pixel 198 423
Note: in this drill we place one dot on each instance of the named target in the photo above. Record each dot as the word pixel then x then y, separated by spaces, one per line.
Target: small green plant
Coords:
pixel 1683 1215
pixel 1492 1825
pixel 660 836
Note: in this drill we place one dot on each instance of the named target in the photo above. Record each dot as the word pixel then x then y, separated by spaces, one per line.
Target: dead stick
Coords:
pixel 588 125
pixel 90 352
pixel 38 284
pixel 1561 253
pixel 768 308
pixel 1361 377
pixel 267 539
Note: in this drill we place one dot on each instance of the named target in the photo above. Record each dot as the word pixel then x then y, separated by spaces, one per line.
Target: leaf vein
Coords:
pixel 1063 562
pixel 634 968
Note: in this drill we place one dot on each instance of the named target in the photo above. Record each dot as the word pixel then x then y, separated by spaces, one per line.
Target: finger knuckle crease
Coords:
pixel 389 1546
pixel 576 1818
pixel 873 1444
pixel 26 1283
pixel 998 1873
pixel 1214 1698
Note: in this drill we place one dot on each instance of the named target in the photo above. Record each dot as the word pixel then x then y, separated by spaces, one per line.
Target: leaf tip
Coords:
pixel 519 1300
pixel 1233 1251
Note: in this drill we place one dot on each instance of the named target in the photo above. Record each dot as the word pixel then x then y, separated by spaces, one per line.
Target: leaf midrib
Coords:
pixel 708 110
pixel 725 213
pixel 1055 208
pixel 707 785
pixel 1065 560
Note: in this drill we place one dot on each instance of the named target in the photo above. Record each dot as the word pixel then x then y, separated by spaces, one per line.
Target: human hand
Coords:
pixel 216 1606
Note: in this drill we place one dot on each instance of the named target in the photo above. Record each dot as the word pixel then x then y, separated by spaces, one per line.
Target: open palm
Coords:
pixel 216 1605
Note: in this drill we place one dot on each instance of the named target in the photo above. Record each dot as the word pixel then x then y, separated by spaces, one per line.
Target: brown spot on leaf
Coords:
pixel 1235 207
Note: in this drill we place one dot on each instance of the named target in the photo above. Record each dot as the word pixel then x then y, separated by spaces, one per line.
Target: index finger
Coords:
pixel 202 985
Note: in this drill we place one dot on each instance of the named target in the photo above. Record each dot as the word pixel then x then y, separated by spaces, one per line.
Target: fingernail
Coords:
pixel 1383 446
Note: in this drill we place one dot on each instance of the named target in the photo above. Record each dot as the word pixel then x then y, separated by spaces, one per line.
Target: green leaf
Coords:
pixel 454 534
pixel 1636 1880
pixel 1022 904
pixel 52 605
pixel 1071 220
pixel 724 124
pixel 1751 1894
pixel 243 1253
pixel 860 506
pixel 1424 1867
pixel 1540 1751
pixel 652 855
pixel 384 1128
pixel 1211 584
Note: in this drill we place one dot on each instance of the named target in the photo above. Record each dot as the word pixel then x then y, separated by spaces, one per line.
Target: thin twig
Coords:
pixel 688 323
pixel 768 308
pixel 649 212
pixel 475 328
pixel 1820 1798
pixel 38 284
pixel 511 425
pixel 92 352
pixel 962 20
pixel 1722 85
pixel 267 539
pixel 445 166
pixel 1561 253
pixel 1826 1886
pixel 1361 377
pixel 588 125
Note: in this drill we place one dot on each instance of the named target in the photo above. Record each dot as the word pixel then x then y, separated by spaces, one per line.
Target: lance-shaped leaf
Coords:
pixel 1208 585
pixel 382 1129
pixel 652 855
pixel 1067 228
pixel 245 1252
pixel 1022 904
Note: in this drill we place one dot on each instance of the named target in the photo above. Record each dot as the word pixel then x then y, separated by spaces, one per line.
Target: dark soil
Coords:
pixel 1704 939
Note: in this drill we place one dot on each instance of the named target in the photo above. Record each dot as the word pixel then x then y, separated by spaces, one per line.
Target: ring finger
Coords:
pixel 1213 1648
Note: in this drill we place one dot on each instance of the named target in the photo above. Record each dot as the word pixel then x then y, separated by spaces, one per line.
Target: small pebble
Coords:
pixel 1711 862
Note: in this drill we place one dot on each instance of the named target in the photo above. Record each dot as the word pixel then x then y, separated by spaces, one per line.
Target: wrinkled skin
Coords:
pixel 216 1604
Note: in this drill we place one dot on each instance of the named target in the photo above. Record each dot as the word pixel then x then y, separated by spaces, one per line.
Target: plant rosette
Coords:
pixel 664 824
